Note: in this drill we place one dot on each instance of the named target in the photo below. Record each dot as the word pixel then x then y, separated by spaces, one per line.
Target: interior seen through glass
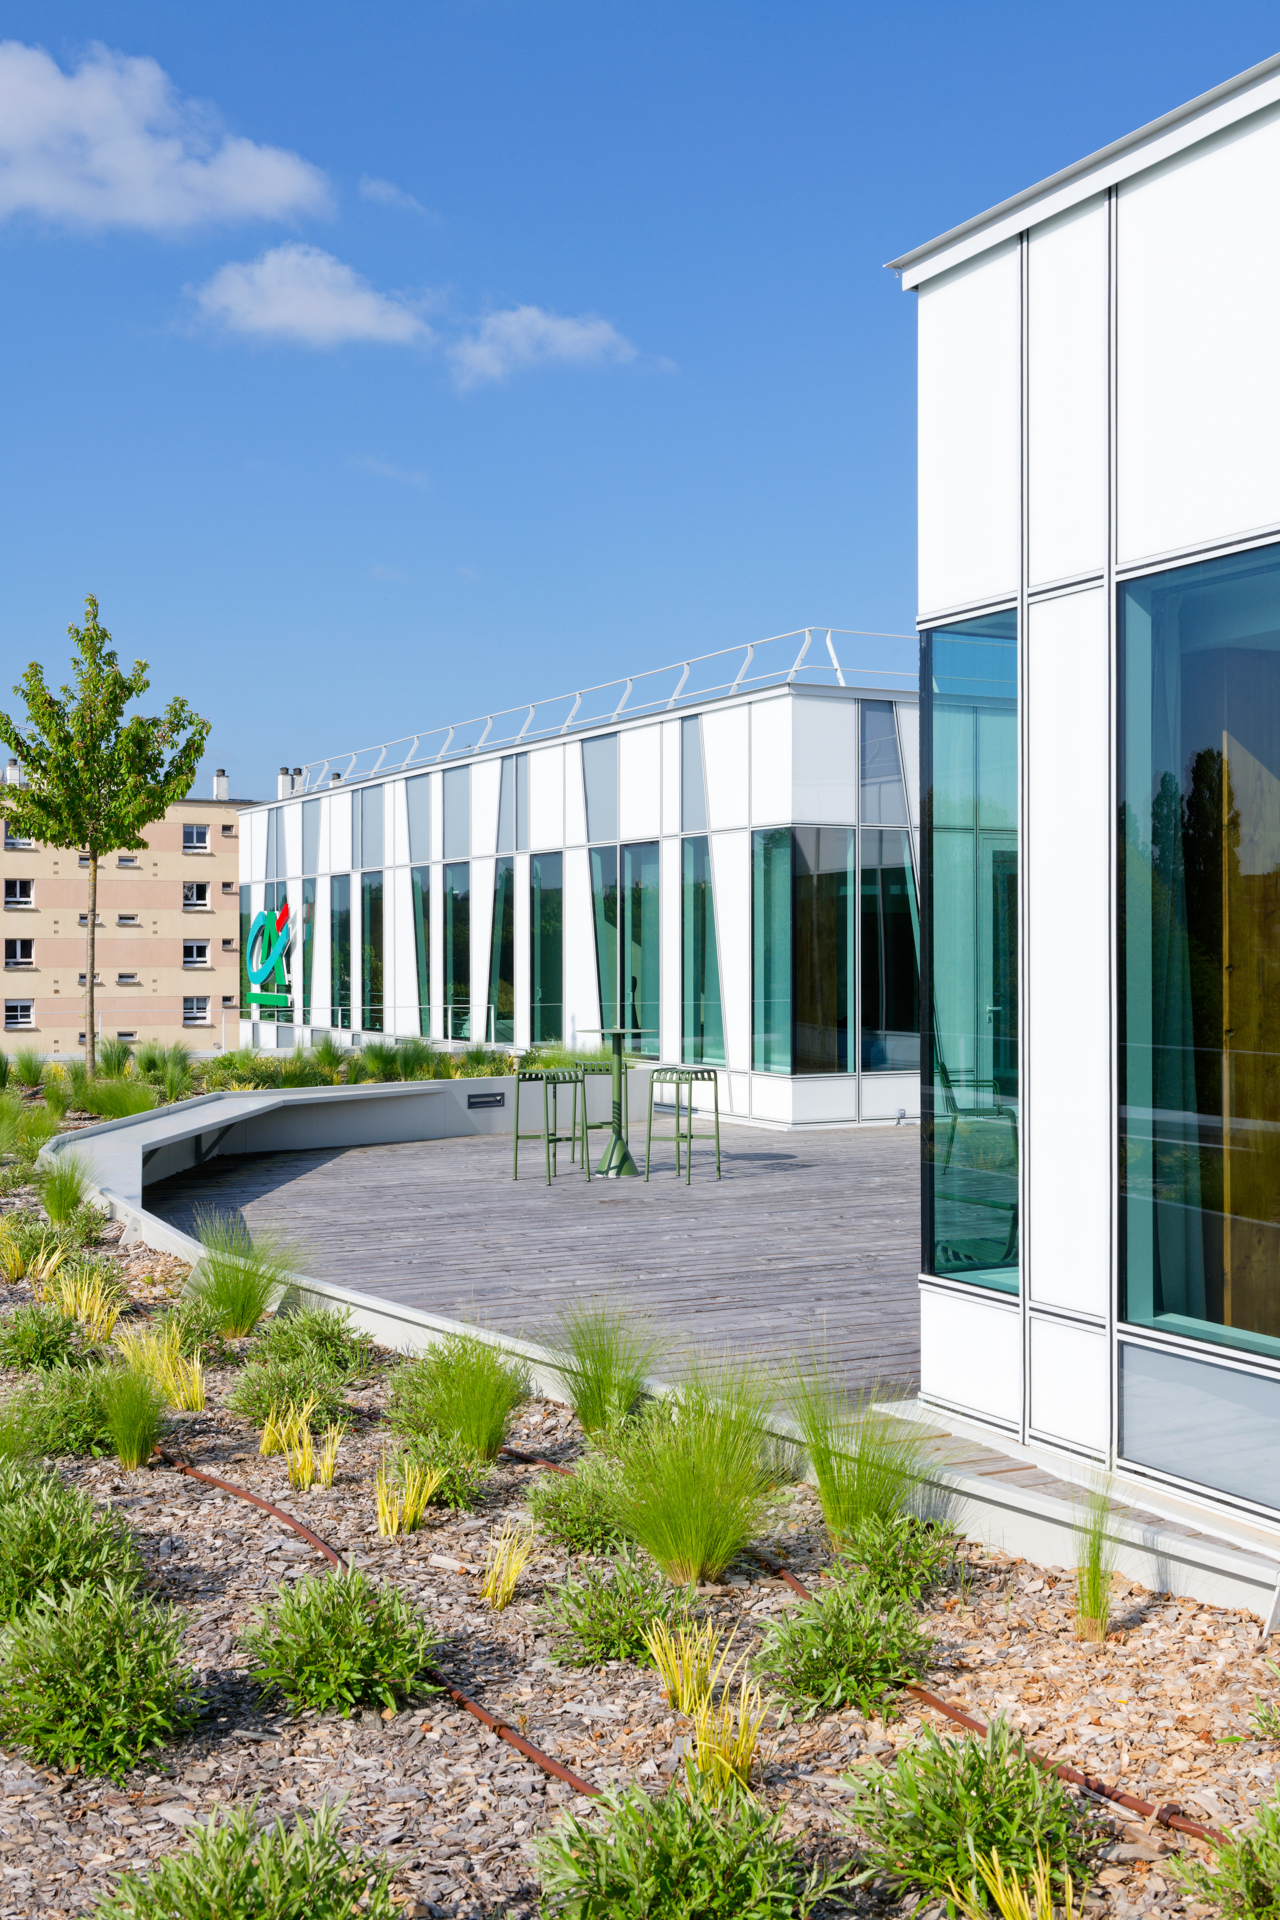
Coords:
pixel 702 1023
pixel 457 951
pixel 502 953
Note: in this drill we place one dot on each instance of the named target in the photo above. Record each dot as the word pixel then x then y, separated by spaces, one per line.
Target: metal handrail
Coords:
pixel 672 687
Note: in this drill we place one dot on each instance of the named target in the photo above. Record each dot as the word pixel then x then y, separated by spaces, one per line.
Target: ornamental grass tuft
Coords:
pixel 461 1387
pixel 1097 1551
pixel 52 1535
pixel 266 1385
pixel 64 1186
pixel 339 1642
pixel 239 1277
pixel 604 1355
pixel 133 1415
pixel 26 1066
pixel 112 1058
pixel 117 1099
pixel 865 1460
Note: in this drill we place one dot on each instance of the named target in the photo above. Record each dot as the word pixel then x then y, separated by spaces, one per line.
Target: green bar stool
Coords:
pixel 684 1079
pixel 552 1079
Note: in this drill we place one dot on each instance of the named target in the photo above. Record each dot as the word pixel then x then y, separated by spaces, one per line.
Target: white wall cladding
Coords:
pixel 1067 348
pixel 339 831
pixel 396 823
pixel 725 760
pixel 437 818
pixel 292 817
pixel 1198 375
pixel 402 946
pixel 581 991
pixel 670 933
pixel 825 758
pixel 771 763
pixel 971 1353
pixel 575 797
pixel 970 432
pixel 1066 1002
pixel 522 960
pixel 436 968
pixel 546 797
pixel 640 783
pixel 486 778
pixel 1070 1384
pixel 253 845
pixel 671 789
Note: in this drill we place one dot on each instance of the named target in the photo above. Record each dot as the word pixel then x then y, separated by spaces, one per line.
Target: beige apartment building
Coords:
pixel 168 934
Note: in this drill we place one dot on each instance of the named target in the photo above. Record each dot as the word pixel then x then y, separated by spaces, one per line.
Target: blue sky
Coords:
pixel 379 364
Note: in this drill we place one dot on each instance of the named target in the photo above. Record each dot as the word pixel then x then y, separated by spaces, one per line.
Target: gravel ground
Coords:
pixel 1162 1709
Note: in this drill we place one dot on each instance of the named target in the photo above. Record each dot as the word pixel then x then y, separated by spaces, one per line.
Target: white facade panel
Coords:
pixel 339 832
pixel 486 781
pixel 886 1095
pixel 827 1099
pixel 292 820
pixel 640 783
pixel 825 758
pixel 908 717
pixel 256 842
pixel 1070 1384
pixel 725 764
pixel 771 1098
pixel 1198 376
pixel 546 798
pixel 575 797
pixel 581 991
pixel 396 823
pixel 971 1353
pixel 320 957
pixel 402 949
pixel 671 997
pixel 520 928
pixel 970 431
pixel 436 968
pixel 771 762
pixel 731 882
pixel 481 934
pixel 672 792
pixel 323 864
pixel 1066 1003
pixel 436 812
pixel 1067 326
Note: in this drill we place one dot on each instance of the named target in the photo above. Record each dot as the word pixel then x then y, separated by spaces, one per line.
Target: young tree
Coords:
pixel 94 779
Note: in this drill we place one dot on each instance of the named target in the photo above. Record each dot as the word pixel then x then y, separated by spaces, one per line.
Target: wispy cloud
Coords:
pixel 384 469
pixel 302 294
pixel 504 342
pixel 387 194
pixel 112 144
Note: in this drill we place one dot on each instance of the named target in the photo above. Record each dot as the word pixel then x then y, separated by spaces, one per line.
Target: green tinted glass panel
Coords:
pixel 604 912
pixel 771 950
pixel 546 932
pixel 308 945
pixel 340 950
pixel 371 951
pixel 421 884
pixel 890 955
pixel 638 947
pixel 824 946
pixel 702 1023
pixel 502 953
pixel 457 949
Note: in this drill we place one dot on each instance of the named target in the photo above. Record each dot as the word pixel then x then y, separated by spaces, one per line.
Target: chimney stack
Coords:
pixel 335 779
pixel 284 786
pixel 12 777
pixel 221 790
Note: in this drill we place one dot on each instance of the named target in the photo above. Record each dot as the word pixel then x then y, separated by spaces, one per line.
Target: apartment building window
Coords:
pixel 228 831
pixel 12 839
pixel 194 839
pixel 127 1033
pixel 127 860
pixel 126 979
pixel 228 946
pixel 122 919
pixel 195 953
pixel 18 953
pixel 195 893
pixel 17 1013
pixel 228 886
pixel 82 860
pixel 97 919
pixel 97 979
pixel 228 999
pixel 17 893
pixel 195 1010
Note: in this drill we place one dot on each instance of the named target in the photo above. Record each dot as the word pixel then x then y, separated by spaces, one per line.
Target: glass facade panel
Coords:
pixel 969 951
pixel 693 792
pixel 371 952
pixel 308 944
pixel 310 836
pixel 883 795
pixel 825 937
pixel 340 949
pixel 638 947
pixel 702 1023
pixel 600 780
pixel 546 932
pixel 604 913
pixel 502 953
pixel 366 827
pixel 1199 951
pixel 890 955
pixel 420 880
pixel 457 950
pixel 771 950
pixel 1207 1423
pixel 417 793
pixel 273 898
pixel 457 813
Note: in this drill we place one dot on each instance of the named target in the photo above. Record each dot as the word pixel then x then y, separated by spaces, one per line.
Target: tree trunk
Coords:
pixel 89 1061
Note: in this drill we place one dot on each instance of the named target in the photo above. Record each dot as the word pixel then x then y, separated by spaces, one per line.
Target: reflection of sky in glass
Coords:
pixel 977 659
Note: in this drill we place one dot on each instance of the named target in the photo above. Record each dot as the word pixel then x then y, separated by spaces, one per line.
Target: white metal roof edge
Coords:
pixel 1208 113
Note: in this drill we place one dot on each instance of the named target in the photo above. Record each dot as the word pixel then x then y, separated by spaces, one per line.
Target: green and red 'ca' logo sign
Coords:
pixel 270 935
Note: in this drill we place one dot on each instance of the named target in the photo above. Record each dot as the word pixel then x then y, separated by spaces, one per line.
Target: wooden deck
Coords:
pixel 809 1239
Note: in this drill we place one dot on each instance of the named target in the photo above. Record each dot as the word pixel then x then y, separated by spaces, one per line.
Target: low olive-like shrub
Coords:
pixel 37 1337
pixel 64 1411
pixel 606 1614
pixel 580 1510
pixel 906 1557
pixel 340 1642
pixel 321 1336
pixel 460 1386
pixel 52 1536
pixel 90 1677
pixel 462 1476
pixel 1243 1878
pixel 851 1645
pixel 269 1383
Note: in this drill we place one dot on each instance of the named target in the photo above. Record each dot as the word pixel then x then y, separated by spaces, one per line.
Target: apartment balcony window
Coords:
pixel 127 860
pixel 17 893
pixel 195 953
pixel 195 1010
pixel 18 953
pixel 13 841
pixel 126 979
pixel 194 839
pixel 195 894
pixel 18 1013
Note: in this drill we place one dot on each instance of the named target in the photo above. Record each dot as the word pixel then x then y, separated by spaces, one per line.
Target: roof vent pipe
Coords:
pixel 335 779
pixel 12 776
pixel 284 786
pixel 221 791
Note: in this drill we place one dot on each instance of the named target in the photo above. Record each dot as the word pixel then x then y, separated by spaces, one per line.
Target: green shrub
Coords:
pixel 906 1557
pixel 36 1126
pixel 91 1678
pixel 270 1383
pixel 580 1510
pixel 238 1276
pixel 53 1535
pixel 301 1070
pixel 33 1236
pixel 4 1070
pixel 133 1414
pixel 117 1099
pixel 677 1858
pixel 338 1642
pixel 149 1059
pixel 63 1187
pixel 692 1481
pixel 37 1337
pixel 379 1060
pixel 462 1475
pixel 851 1645
pixel 196 1321
pixel 604 1355
pixel 27 1067
pixel 947 1800
pixel 232 1867
pixel 85 1225
pixel 63 1412
pixel 57 1094
pixel 481 1063
pixel 112 1058
pixel 461 1386
pixel 1243 1878
pixel 415 1058
pixel 177 1082
pixel 606 1614
pixel 330 1059
pixel 866 1462
pixel 324 1337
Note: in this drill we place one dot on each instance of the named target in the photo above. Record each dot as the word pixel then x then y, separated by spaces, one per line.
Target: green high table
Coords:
pixel 616 1162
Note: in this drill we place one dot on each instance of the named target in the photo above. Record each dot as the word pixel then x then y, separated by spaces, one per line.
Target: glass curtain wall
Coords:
pixel 502 953
pixel 604 913
pixel 771 950
pixel 274 895
pixel 420 884
pixel 824 946
pixel 308 945
pixel 638 947
pixel 1199 951
pixel 890 935
pixel 546 935
pixel 371 951
pixel 702 1023
pixel 340 949
pixel 969 950
pixel 457 951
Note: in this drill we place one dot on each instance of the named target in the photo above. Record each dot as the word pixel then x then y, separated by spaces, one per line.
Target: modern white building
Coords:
pixel 1100 613
pixel 720 857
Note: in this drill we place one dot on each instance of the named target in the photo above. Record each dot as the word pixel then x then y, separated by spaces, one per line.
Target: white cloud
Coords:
pixel 526 336
pixel 389 195
pixel 409 476
pixel 112 145
pixel 300 293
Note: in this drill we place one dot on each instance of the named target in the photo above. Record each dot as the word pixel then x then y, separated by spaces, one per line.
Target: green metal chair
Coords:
pixel 552 1080
pixel 684 1079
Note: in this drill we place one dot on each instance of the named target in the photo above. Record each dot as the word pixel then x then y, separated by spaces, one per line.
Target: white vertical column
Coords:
pixel 671 934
